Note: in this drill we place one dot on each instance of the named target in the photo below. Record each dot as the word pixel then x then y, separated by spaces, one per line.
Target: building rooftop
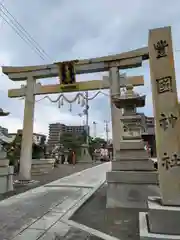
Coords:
pixel 20 131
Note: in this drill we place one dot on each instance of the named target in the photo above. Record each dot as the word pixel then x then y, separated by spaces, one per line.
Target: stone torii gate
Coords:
pixel 30 74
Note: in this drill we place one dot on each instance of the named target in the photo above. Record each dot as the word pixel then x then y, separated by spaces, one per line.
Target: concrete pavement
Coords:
pixel 43 213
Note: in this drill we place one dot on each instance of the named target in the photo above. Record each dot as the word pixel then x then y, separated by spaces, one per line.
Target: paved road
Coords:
pixel 40 212
pixel 56 173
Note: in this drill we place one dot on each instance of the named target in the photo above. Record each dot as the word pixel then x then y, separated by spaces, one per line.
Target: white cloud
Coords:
pixel 11 123
pixel 79 29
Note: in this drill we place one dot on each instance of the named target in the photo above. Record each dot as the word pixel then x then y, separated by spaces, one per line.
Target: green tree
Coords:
pixel 72 141
pixel 38 150
pixel 95 143
pixel 14 148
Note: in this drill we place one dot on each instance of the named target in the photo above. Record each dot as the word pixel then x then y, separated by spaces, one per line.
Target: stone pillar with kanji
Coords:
pixel 164 213
pixel 166 113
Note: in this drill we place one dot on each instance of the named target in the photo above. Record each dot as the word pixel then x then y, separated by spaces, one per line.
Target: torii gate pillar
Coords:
pixel 27 136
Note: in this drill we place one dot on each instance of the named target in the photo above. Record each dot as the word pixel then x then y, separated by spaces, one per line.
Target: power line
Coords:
pixel 22 37
pixel 16 26
pixel 26 32
pixel 22 32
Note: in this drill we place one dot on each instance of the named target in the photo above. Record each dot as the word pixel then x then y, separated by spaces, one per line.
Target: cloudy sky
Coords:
pixel 71 29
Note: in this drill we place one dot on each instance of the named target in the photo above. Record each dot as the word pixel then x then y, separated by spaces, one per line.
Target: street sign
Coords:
pixel 67 72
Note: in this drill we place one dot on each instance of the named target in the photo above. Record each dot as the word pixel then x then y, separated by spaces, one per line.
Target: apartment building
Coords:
pixel 56 129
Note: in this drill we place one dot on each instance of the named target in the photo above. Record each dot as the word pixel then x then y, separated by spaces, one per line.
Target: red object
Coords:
pixel 147 145
pixel 73 158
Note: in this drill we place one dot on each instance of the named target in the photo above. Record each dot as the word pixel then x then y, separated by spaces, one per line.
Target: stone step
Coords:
pixel 130 158
pixel 163 219
pixel 4 162
pixel 133 165
pixel 42 166
pixel 132 137
pixel 131 145
pixel 34 166
pixel 134 177
pixel 132 118
pixel 43 161
pixel 140 153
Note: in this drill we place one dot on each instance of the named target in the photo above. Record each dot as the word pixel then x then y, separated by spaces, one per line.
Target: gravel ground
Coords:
pixel 120 223
pixel 55 174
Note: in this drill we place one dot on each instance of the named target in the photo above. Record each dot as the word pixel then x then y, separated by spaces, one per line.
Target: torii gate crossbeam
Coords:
pixel 30 74
pixel 91 85
pixel 125 60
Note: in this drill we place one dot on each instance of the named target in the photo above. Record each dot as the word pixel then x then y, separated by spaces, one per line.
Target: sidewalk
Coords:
pixel 43 212
pixel 63 170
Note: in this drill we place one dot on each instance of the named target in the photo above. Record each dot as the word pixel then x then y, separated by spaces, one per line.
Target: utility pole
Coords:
pixel 94 124
pixel 107 130
pixel 86 112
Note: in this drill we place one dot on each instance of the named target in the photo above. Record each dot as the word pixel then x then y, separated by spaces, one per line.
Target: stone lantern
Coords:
pixel 130 118
pixel 133 177
pixel 6 171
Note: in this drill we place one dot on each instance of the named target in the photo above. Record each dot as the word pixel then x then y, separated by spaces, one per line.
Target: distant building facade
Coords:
pixel 148 125
pixel 57 129
pixel 37 137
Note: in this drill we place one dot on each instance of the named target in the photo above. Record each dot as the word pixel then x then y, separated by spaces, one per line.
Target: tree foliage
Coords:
pixel 14 149
pixel 72 140
pixel 38 150
pixel 95 143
